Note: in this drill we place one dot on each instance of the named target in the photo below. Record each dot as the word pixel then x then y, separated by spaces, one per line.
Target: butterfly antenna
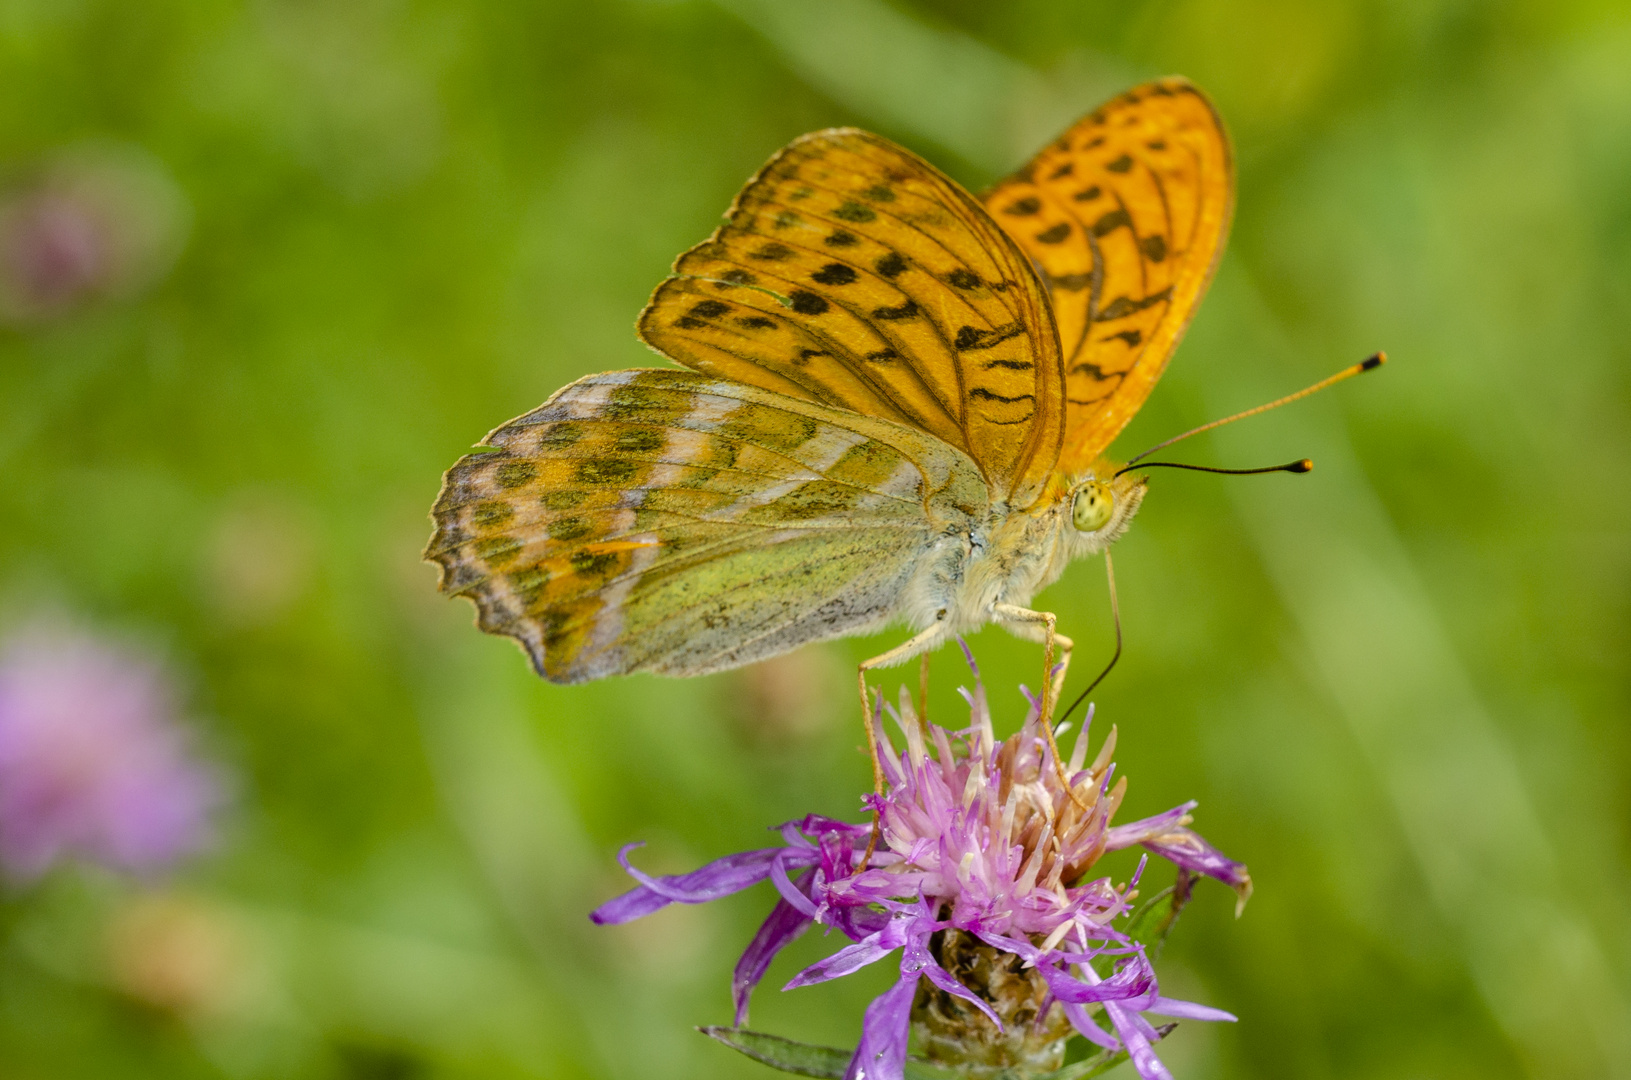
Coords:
pixel 1375 360
pixel 1300 466
pixel 1115 614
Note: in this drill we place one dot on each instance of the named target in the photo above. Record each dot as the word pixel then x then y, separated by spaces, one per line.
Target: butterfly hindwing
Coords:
pixel 853 273
pixel 1126 217
pixel 668 521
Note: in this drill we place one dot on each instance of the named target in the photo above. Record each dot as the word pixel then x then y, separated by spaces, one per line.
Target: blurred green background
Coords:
pixel 1398 686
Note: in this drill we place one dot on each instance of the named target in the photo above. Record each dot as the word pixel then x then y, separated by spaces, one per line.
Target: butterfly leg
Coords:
pixel 923 693
pixel 902 652
pixel 1034 624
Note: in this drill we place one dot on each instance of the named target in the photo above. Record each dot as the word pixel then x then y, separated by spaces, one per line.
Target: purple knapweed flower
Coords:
pixel 93 762
pixel 981 883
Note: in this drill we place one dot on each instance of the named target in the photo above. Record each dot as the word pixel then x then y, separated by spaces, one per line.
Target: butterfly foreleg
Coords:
pixel 1026 623
pixel 918 643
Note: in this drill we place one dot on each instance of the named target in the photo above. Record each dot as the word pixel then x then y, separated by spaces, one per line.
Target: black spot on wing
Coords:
pixel 840 239
pixel 806 303
pixel 964 278
pixel 1110 222
pixel 908 310
pixel 1120 165
pixel 771 252
pixel 1089 195
pixel 1054 235
pixel 1024 207
pixel 970 339
pixel 1155 247
pixel 1009 415
pixel 835 274
pixel 1123 306
pixel 709 309
pixel 850 210
pixel 890 265
pixel 757 322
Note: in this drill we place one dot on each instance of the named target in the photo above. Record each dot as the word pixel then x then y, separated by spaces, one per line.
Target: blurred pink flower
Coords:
pixel 93 222
pixel 94 762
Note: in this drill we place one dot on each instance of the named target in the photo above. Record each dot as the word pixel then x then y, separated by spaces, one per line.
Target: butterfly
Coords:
pixel 893 406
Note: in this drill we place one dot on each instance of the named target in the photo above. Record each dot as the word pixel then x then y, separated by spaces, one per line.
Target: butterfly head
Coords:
pixel 1102 504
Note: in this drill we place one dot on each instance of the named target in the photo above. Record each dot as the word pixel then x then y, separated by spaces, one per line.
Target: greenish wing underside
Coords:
pixel 667 521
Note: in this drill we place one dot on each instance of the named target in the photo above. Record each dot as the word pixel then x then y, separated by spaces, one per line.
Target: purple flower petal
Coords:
pixel 1188 1010
pixel 881 1054
pixel 1136 832
pixel 1083 1023
pixel 853 958
pixel 918 957
pixel 1190 850
pixel 792 896
pixel 1138 1046
pixel 784 924
pixel 1132 982
pixel 719 878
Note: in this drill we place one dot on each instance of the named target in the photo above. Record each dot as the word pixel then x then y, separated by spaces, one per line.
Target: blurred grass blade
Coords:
pixel 937 82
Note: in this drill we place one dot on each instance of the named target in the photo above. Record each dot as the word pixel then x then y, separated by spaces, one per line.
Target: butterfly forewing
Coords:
pixel 1125 217
pixel 668 521
pixel 852 273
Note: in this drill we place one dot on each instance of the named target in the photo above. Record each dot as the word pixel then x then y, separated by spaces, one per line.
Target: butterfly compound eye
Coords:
pixel 1093 507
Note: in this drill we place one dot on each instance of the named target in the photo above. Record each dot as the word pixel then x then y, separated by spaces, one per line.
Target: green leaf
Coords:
pixel 783 1054
pixel 1100 1062
pixel 829 1062
pixel 1151 923
pixel 806 1060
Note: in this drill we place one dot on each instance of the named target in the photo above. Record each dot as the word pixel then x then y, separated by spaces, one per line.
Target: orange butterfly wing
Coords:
pixel 853 273
pixel 1126 217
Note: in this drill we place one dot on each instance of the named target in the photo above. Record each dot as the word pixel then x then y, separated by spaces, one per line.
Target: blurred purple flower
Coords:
pixel 94 221
pixel 93 761
pixel 984 860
